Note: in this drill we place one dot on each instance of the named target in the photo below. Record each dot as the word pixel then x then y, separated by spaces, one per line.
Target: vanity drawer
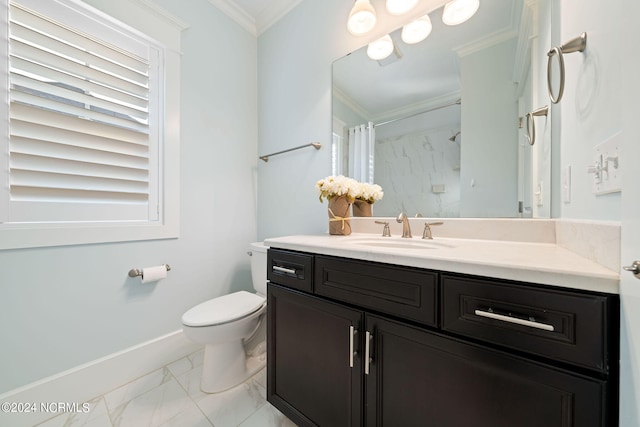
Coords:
pixel 566 326
pixel 400 291
pixel 291 269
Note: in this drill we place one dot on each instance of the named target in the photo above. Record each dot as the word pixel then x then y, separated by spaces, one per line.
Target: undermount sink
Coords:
pixel 398 243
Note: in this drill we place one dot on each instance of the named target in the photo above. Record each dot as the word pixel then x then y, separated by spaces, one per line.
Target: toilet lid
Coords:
pixel 223 309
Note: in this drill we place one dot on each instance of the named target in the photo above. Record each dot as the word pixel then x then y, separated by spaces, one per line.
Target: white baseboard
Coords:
pixel 93 379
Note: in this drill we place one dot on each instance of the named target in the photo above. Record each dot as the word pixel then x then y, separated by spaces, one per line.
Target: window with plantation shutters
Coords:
pixel 85 118
pixel 90 126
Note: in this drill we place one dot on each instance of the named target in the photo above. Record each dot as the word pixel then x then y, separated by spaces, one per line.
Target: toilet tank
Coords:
pixel 259 267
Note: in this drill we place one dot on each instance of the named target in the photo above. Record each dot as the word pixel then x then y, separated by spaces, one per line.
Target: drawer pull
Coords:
pixel 509 319
pixel 352 334
pixel 367 351
pixel 284 270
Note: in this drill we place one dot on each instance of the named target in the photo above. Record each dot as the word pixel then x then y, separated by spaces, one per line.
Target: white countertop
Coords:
pixel 543 263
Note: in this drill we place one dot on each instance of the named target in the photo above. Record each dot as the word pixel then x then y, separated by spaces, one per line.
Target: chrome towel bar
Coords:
pixel 315 145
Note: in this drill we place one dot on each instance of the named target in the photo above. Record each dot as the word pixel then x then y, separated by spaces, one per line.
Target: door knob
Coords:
pixel 634 268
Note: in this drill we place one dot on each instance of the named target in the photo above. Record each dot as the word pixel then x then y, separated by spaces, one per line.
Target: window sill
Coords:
pixel 21 236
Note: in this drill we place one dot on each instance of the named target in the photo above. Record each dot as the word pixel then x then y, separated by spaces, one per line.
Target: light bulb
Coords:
pixel 362 18
pixel 458 11
pixel 417 30
pixel 380 48
pixel 400 7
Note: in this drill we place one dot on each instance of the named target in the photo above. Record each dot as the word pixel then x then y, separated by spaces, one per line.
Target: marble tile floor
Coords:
pixel 171 397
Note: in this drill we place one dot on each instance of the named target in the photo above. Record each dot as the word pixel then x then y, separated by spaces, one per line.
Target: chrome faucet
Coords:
pixel 406 229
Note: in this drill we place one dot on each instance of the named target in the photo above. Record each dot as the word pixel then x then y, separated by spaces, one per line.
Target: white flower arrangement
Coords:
pixel 369 192
pixel 340 185
pixel 333 186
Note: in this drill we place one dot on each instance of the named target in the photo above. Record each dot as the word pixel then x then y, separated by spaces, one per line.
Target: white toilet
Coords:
pixel 225 323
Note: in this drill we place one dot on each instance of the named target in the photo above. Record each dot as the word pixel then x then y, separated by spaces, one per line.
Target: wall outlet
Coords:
pixel 607 175
pixel 438 188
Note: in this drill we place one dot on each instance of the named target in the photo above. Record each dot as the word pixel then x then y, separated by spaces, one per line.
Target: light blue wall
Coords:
pixel 590 111
pixel 65 306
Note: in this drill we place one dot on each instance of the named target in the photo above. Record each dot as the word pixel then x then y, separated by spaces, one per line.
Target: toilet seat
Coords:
pixel 224 309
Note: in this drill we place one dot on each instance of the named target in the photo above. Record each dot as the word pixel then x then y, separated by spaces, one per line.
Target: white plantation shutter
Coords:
pixel 84 119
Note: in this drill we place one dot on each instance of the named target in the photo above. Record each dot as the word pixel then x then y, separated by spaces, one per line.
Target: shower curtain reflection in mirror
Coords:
pixel 361 152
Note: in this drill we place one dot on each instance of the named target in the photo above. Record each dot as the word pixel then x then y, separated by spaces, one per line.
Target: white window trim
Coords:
pixel 142 16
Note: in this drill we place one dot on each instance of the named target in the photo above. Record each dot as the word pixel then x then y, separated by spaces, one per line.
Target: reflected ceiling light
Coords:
pixel 380 48
pixel 417 30
pixel 362 18
pixel 400 7
pixel 458 11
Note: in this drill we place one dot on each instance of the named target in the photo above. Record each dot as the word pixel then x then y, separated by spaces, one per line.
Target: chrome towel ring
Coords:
pixel 531 124
pixel 577 44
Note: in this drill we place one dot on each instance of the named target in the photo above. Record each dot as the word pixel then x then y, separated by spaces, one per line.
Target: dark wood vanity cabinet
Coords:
pixel 370 344
pixel 310 376
pixel 419 379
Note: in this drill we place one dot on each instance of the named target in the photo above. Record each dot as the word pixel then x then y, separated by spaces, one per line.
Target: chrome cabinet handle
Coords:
pixel 367 352
pixel 509 319
pixel 352 335
pixel 284 270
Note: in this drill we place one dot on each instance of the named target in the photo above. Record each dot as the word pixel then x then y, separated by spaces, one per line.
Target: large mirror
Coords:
pixel 438 124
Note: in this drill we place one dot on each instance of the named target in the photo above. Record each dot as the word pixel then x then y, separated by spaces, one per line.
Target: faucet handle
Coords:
pixel 426 234
pixel 386 232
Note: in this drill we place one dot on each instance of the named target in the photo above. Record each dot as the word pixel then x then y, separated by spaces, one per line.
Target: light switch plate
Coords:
pixel 566 184
pixel 607 155
pixel 539 197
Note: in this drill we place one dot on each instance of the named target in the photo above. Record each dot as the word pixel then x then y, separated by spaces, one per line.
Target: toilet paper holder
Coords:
pixel 137 272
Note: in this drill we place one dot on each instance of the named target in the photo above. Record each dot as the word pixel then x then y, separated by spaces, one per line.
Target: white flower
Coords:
pixel 369 192
pixel 340 185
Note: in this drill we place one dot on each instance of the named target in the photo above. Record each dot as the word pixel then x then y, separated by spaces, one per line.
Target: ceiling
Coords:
pixel 255 15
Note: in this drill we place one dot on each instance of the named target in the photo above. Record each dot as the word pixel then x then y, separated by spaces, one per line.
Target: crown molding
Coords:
pixel 272 15
pixel 259 24
pixel 164 14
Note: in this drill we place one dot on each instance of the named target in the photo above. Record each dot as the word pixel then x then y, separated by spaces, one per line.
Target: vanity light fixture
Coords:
pixel 381 48
pixel 400 7
pixel 362 18
pixel 458 11
pixel 416 31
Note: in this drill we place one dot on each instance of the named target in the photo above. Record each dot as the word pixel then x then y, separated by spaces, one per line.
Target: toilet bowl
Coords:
pixel 225 323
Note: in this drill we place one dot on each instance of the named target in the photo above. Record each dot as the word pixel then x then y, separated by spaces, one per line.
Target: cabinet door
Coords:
pixel 313 376
pixel 423 379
